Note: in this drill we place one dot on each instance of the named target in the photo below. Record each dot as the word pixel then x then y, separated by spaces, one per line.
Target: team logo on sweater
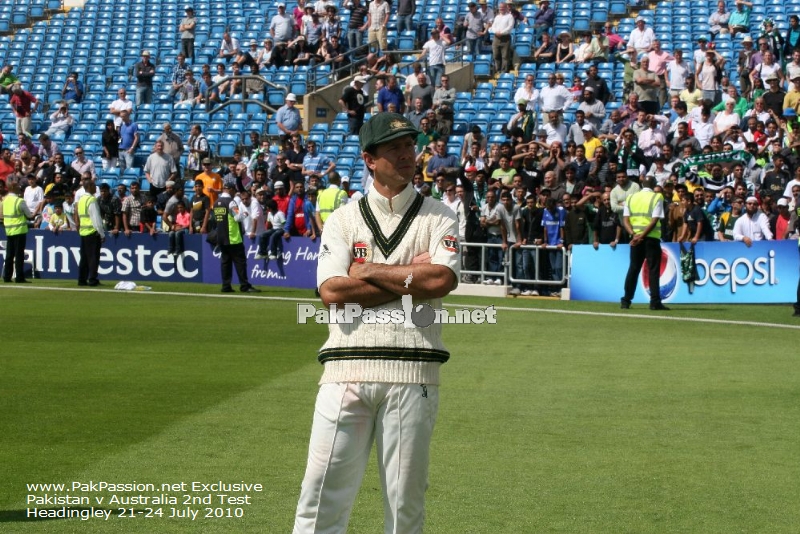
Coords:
pixel 360 252
pixel 450 243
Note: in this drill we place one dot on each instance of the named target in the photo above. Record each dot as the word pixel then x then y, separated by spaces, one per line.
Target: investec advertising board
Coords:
pixel 729 273
pixel 142 257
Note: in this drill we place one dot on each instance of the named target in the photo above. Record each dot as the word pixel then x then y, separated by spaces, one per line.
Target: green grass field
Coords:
pixel 548 422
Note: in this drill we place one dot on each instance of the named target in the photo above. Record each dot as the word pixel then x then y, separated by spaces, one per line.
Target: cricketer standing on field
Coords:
pixel 380 381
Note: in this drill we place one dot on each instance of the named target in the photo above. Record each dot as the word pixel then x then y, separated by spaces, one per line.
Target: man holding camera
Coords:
pixel 72 92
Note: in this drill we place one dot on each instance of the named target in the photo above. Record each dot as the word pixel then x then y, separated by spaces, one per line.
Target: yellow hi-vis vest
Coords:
pixel 83 215
pixel 329 200
pixel 641 205
pixel 13 218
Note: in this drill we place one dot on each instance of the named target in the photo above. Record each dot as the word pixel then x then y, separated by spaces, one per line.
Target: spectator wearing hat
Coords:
pixel 593 109
pixel 641 38
pixel 743 62
pixel 288 118
pixel 774 97
pixel 780 225
pixel 144 71
pixel 72 92
pixel 475 28
pixel 229 47
pixel 282 27
pixel 187 28
pixel 353 102
pixel 502 27
pixel 212 181
pixel 739 20
pixel 543 19
pixel 792 98
pixel 433 49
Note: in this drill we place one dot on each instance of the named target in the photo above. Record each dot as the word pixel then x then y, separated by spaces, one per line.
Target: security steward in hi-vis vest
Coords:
pixel 330 199
pixel 642 219
pixel 228 218
pixel 90 228
pixel 15 221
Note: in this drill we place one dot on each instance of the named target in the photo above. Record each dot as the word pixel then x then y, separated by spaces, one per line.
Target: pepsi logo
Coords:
pixel 668 280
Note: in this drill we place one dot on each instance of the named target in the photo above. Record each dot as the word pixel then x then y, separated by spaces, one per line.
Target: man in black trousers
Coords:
pixel 229 216
pixel 642 218
pixel 15 220
pixel 90 228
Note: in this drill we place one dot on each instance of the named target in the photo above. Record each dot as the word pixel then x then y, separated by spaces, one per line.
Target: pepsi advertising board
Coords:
pixel 729 273
pixel 142 257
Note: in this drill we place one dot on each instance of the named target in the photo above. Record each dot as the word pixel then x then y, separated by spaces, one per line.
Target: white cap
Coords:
pixel 783 202
pixel 292 97
pixel 752 199
pixel 278 184
pixel 345 178
pixel 587 127
pixel 360 79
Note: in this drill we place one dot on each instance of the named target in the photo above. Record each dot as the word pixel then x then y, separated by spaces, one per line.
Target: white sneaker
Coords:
pixel 273 257
pixel 556 294
pixel 514 291
pixel 498 282
pixel 487 282
pixel 527 293
pixel 534 293
pixel 260 256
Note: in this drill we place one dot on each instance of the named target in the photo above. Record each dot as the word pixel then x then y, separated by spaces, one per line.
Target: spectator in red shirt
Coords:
pixel 21 102
pixel 6 164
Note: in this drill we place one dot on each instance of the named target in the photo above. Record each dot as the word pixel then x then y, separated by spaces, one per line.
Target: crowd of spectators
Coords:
pixel 725 155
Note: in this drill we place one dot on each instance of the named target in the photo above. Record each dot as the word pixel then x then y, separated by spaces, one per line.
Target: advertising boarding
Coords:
pixel 729 273
pixel 142 257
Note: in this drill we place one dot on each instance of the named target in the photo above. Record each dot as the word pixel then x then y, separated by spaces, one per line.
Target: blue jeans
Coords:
pixel 436 72
pixel 270 239
pixel 714 96
pixel 404 23
pixel 144 94
pixel 517 266
pixel 354 124
pixel 354 39
pixel 176 241
pixel 538 30
pixel 556 263
pixel 474 46
pixel 125 160
pixel 494 256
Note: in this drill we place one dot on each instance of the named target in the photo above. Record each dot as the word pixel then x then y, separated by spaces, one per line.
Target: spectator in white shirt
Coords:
pixel 641 38
pixel 753 225
pixel 502 27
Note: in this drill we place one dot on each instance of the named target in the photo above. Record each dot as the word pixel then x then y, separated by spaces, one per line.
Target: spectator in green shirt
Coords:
pixel 7 80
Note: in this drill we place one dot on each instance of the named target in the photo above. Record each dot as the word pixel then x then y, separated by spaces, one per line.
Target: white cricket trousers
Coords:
pixel 347 417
